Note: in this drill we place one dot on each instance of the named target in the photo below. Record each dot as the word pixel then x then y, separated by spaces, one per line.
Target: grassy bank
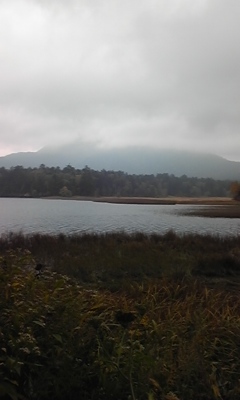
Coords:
pixel 220 207
pixel 169 200
pixel 223 211
pixel 151 200
pixel 120 316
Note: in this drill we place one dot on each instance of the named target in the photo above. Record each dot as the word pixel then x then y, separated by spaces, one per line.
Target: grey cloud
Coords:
pixel 149 72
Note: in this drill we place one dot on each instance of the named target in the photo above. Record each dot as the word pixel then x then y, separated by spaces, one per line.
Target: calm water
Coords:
pixel 55 216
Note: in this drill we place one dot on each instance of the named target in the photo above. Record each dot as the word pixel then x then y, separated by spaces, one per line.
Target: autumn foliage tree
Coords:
pixel 235 190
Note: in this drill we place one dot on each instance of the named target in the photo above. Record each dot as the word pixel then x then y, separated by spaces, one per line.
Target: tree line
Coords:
pixel 69 181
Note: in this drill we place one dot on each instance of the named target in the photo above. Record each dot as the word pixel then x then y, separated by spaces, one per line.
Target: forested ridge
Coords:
pixel 69 181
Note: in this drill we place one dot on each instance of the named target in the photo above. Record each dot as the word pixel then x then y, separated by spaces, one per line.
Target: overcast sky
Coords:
pixel 164 73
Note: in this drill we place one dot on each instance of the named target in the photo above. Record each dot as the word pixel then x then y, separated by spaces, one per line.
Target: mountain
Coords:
pixel 133 160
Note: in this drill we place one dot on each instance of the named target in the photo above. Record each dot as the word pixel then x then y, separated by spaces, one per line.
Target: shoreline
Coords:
pixel 219 207
pixel 152 200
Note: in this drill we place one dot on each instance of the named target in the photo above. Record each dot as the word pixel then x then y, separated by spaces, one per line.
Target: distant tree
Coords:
pixel 69 169
pixel 87 182
pixel 52 181
pixel 65 192
pixel 235 190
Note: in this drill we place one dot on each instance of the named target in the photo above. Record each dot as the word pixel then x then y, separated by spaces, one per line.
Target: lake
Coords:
pixel 72 216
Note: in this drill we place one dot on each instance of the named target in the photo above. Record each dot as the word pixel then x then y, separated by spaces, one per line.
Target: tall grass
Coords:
pixel 130 327
pixel 118 257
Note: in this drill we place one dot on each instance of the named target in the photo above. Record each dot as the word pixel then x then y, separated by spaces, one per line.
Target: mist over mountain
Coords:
pixel 133 160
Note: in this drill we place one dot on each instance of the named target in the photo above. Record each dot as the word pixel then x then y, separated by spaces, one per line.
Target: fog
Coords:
pixel 154 73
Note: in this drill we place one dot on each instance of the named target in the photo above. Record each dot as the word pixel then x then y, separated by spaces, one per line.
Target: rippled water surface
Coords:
pixel 71 216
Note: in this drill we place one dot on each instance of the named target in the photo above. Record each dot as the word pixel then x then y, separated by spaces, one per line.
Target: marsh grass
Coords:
pixel 145 323
pixel 118 257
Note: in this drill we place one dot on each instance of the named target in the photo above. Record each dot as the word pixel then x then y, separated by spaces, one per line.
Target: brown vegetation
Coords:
pixel 167 200
pixel 152 200
pixel 228 211
pixel 119 316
